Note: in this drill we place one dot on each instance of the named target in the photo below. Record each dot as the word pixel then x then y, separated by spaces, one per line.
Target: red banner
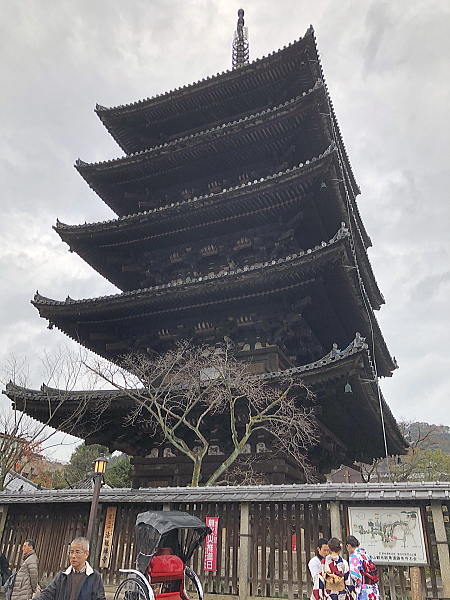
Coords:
pixel 210 560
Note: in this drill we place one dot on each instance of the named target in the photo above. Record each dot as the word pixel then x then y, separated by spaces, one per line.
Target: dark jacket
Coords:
pixel 27 578
pixel 5 571
pixel 91 587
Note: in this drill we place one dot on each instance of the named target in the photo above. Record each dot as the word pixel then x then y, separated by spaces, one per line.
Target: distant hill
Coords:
pixel 436 436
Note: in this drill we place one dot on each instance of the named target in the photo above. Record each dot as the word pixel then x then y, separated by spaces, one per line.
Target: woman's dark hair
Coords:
pixel 320 543
pixel 351 541
pixel 334 545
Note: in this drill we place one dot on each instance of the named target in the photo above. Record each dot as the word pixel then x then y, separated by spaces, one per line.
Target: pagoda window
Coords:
pixel 176 258
pixel 214 187
pixel 204 328
pixel 165 334
pixel 244 242
pixel 245 321
pixel 209 250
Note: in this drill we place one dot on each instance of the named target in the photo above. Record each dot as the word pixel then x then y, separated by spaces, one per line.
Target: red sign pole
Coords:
pixel 210 560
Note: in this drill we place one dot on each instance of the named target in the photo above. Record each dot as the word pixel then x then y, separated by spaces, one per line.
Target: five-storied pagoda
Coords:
pixel 236 219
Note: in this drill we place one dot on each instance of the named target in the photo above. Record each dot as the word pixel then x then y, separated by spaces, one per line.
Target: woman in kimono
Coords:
pixel 362 571
pixel 333 581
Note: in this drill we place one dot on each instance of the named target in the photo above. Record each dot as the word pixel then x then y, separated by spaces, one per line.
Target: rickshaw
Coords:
pixel 165 541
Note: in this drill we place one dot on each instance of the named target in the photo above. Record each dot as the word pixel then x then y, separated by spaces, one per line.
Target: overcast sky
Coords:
pixel 387 69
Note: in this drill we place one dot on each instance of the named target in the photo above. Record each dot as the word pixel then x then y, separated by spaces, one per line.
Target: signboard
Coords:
pixel 105 555
pixel 391 535
pixel 210 560
pixel 416 587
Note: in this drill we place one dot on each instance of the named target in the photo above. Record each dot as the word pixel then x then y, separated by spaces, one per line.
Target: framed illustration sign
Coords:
pixel 391 535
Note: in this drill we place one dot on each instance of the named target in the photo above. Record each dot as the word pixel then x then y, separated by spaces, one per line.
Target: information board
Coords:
pixel 390 535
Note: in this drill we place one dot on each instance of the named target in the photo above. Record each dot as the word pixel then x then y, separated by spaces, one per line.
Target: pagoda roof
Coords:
pixel 354 418
pixel 123 182
pixel 221 291
pixel 274 183
pixel 213 99
pixel 258 202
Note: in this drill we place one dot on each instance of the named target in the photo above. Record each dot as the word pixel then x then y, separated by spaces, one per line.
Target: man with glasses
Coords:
pixel 79 581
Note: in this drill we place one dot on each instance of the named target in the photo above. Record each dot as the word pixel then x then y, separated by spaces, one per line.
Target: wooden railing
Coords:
pixel 266 558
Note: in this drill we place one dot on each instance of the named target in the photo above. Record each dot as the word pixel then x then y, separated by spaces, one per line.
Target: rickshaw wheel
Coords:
pixel 131 589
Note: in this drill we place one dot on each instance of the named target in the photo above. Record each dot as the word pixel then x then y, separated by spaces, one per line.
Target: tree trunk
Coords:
pixel 226 463
pixel 196 472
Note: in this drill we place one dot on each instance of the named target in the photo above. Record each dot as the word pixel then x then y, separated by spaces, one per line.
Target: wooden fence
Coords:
pixel 279 542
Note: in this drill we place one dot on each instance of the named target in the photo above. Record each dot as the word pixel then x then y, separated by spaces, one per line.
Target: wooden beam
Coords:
pixel 442 546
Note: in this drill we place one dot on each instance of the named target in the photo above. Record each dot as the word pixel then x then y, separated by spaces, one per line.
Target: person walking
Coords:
pixel 5 571
pixel 362 571
pixel 79 581
pixel 322 551
pixel 26 582
pixel 333 581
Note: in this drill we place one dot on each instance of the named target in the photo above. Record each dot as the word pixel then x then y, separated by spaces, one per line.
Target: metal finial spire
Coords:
pixel 241 55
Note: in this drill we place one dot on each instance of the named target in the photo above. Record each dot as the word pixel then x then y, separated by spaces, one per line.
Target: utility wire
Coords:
pixel 351 224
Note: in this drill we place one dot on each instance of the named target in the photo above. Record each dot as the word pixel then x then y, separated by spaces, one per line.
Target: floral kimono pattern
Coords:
pixel 340 567
pixel 363 591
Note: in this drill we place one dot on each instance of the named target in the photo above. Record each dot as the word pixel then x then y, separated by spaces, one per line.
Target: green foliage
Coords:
pixel 80 464
pixel 118 475
pixel 418 465
pixel 426 460
pixel 433 465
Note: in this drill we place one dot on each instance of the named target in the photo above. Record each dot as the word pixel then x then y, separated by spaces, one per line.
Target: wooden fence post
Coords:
pixel 335 520
pixel 3 514
pixel 415 579
pixel 244 551
pixel 442 546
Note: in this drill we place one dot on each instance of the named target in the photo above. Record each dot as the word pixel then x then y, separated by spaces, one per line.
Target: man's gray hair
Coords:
pixel 81 541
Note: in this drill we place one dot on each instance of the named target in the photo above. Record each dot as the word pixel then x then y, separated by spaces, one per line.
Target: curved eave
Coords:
pixel 193 287
pixel 74 412
pixel 358 411
pixel 257 281
pixel 333 370
pixel 234 145
pixel 256 202
pixel 236 89
pixel 304 172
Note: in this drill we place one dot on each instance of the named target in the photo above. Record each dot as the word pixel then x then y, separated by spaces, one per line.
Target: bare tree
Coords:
pixel 185 393
pixel 244 471
pixel 22 438
pixel 420 437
